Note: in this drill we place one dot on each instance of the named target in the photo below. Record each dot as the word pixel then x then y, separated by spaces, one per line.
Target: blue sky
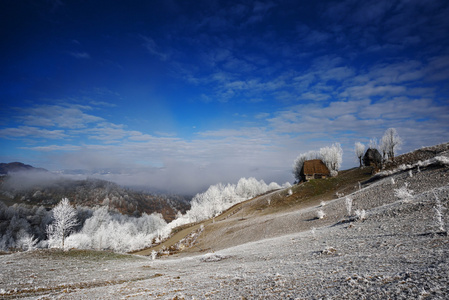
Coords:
pixel 178 95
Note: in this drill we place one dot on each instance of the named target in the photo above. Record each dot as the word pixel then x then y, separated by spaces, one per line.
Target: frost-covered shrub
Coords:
pixel 438 209
pixel 153 255
pixel 404 192
pixel 213 257
pixel 120 233
pixel 360 214
pixel 320 214
pixel 313 231
pixel 348 204
pixel 26 241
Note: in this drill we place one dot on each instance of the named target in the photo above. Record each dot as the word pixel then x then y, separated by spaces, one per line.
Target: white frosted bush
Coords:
pixel 153 255
pixel 106 231
pixel 348 204
pixel 438 209
pixel 404 192
pixel 313 231
pixel 26 241
pixel 320 214
pixel 360 214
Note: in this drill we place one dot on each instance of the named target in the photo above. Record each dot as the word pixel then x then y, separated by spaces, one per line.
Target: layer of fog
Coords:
pixel 180 178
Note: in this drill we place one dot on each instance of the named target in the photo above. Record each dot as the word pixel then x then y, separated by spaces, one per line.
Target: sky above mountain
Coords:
pixel 178 95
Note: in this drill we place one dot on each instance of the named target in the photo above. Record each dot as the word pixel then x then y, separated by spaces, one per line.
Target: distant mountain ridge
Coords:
pixel 6 168
pixel 25 184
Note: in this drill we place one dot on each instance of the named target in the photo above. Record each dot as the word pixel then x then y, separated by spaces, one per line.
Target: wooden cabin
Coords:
pixel 314 169
pixel 373 158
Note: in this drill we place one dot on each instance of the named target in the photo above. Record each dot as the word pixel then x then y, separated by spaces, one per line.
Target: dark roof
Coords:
pixel 315 166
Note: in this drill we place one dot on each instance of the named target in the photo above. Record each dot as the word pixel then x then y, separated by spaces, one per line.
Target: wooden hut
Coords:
pixel 314 169
pixel 373 158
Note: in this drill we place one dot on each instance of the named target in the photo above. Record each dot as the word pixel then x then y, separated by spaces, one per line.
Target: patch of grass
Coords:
pixel 317 190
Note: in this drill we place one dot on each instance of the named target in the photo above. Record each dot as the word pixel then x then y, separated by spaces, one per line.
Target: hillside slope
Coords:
pixel 277 213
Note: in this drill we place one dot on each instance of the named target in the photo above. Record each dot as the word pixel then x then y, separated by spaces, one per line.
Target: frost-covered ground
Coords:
pixel 397 252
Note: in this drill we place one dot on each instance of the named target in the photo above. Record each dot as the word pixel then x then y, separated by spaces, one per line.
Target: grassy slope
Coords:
pixel 260 219
pixel 314 191
pixel 221 232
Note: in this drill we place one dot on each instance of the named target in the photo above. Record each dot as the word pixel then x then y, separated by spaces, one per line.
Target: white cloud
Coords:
pixel 54 148
pixel 64 116
pixel 262 115
pixel 32 132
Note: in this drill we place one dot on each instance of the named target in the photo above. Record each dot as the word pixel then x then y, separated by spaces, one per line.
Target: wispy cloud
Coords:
pixel 31 132
pixel 51 148
pixel 153 48
pixel 64 116
pixel 80 55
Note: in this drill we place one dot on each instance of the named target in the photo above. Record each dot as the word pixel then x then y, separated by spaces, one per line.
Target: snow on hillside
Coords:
pixel 399 251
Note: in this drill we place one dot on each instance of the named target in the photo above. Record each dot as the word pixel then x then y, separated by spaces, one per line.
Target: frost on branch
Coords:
pixel 390 143
pixel 403 193
pixel 320 214
pixel 332 157
pixel 359 150
pixel 65 221
pixel 220 197
pixel 348 204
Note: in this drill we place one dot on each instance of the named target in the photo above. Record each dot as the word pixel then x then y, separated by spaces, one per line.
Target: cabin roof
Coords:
pixel 315 166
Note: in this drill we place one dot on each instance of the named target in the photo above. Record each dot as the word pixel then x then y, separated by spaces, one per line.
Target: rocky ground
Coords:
pixel 398 250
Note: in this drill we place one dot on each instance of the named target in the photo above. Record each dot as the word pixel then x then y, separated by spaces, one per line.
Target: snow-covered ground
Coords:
pixel 397 252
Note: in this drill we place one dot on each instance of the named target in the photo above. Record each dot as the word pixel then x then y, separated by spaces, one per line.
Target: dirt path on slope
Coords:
pixel 181 234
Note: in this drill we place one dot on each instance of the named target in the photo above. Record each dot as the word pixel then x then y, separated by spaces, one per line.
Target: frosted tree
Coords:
pixel 26 241
pixel 391 142
pixel 373 144
pixel 332 157
pixel 65 220
pixel 359 150
pixel 383 148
